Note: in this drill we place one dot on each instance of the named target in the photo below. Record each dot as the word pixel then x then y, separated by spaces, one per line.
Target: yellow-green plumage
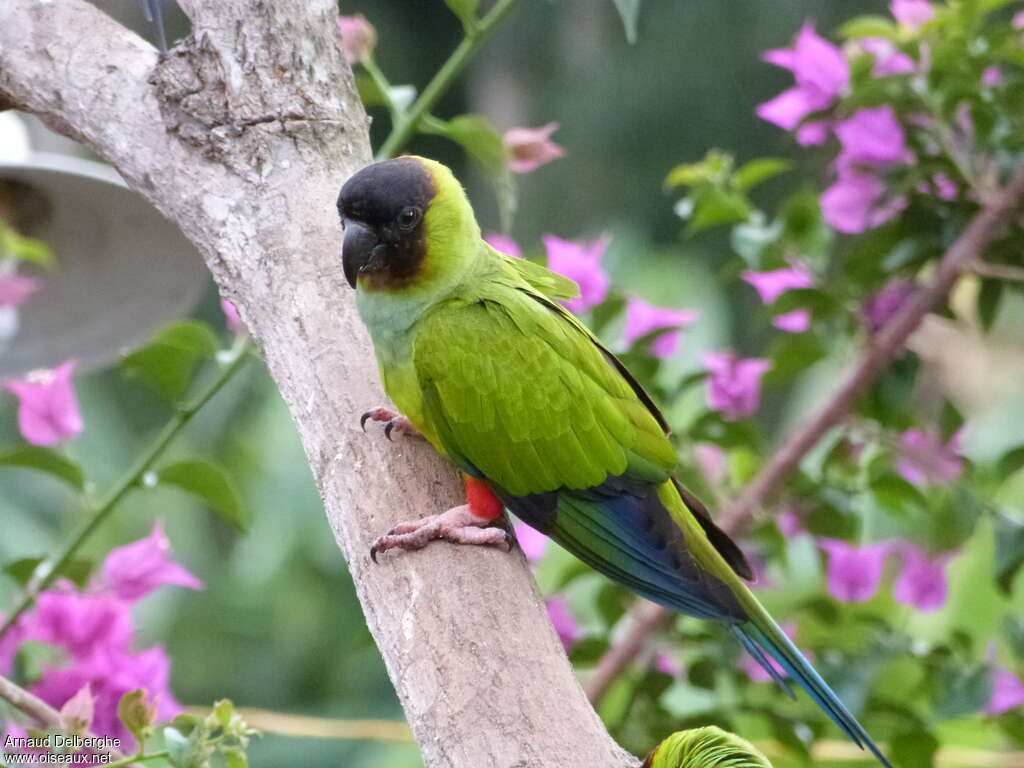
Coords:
pixel 476 351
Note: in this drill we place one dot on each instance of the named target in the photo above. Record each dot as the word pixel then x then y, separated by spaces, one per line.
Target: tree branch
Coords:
pixel 242 135
pixel 985 227
pixel 964 255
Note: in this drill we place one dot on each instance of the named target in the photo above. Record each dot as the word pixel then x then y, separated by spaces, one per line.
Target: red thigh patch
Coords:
pixel 481 499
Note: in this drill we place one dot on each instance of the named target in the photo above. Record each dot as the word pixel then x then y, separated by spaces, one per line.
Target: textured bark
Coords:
pixel 243 135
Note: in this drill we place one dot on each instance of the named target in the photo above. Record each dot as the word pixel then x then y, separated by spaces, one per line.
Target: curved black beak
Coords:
pixel 357 250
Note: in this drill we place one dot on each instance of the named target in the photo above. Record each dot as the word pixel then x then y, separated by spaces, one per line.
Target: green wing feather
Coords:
pixel 529 400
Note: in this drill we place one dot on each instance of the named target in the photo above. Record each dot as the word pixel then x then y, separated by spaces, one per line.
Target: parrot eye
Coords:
pixel 409 218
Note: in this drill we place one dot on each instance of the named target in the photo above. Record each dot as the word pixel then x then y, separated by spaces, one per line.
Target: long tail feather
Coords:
pixel 763 633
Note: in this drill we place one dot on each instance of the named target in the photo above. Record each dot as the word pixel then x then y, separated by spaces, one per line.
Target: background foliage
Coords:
pixel 278 626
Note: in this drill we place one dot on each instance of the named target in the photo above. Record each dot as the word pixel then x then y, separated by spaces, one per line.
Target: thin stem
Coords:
pixel 381 81
pixel 53 567
pixel 476 37
pixel 306 726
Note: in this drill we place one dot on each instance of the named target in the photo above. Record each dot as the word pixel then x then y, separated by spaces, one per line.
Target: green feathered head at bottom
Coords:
pixel 709 747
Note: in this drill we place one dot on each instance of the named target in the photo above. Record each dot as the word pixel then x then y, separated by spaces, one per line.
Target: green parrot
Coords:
pixel 483 361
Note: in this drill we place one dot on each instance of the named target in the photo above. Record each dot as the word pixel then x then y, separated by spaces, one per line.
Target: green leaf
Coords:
pixel 211 483
pixel 46 460
pixel 1010 462
pixel 988 302
pixel 1009 550
pixel 16 247
pixel 714 207
pixel 169 362
pixel 791 354
pixel 869 26
pixel 179 747
pixel 962 690
pixel 481 141
pixel 758 171
pixel 223 710
pixel 896 495
pixel 914 750
pixel 465 10
pixel 236 759
pixel 629 10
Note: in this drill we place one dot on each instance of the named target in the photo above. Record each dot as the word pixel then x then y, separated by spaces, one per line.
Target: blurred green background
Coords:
pixel 278 626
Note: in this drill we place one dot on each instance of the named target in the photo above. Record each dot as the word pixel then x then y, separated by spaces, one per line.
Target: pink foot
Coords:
pixel 458 525
pixel 393 422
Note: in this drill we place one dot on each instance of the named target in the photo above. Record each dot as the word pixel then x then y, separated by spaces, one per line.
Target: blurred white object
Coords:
pixel 14 145
pixel 122 270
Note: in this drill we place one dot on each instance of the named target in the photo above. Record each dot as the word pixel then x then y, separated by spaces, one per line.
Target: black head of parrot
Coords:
pixel 382 209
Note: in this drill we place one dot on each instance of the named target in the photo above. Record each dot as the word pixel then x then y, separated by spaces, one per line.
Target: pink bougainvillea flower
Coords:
pixel 643 318
pixel 565 625
pixel 1018 20
pixel 925 460
pixel 854 573
pixel 759 674
pixel 1007 691
pixel 505 244
pixel 941 186
pixel 734 386
pixel 358 38
pixel 770 285
pixel 134 570
pixel 856 203
pixel 231 317
pixel 813 133
pixel 668 663
pixel 797 321
pixel 15 290
pixel 530 148
pixel 9 644
pixel 533 543
pixel 580 262
pixel 81 624
pixel 992 77
pixel 888 59
pixel 48 410
pixel 872 137
pixel 789 523
pixel 821 73
pixel 878 309
pixel 913 13
pixel 713 462
pixel 110 675
pixel 922 582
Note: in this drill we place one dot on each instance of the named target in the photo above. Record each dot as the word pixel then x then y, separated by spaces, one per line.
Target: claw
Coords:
pixel 373 553
pixel 387 429
pixel 364 418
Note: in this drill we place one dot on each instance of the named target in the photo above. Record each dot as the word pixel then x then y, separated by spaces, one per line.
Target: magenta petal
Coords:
pixel 734 384
pixel 925 460
pixel 505 244
pixel 797 321
pixel 136 569
pixel 533 543
pixel 849 203
pixel 643 318
pixel 872 137
pixel 1007 692
pixel 15 290
pixel 912 13
pixel 581 263
pixel 790 107
pixel 530 148
pixel 854 573
pixel 770 285
pixel 48 411
pixel 923 582
pixel 565 625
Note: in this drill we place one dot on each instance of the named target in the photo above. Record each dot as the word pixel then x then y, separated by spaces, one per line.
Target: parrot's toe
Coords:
pixel 458 525
pixel 393 422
